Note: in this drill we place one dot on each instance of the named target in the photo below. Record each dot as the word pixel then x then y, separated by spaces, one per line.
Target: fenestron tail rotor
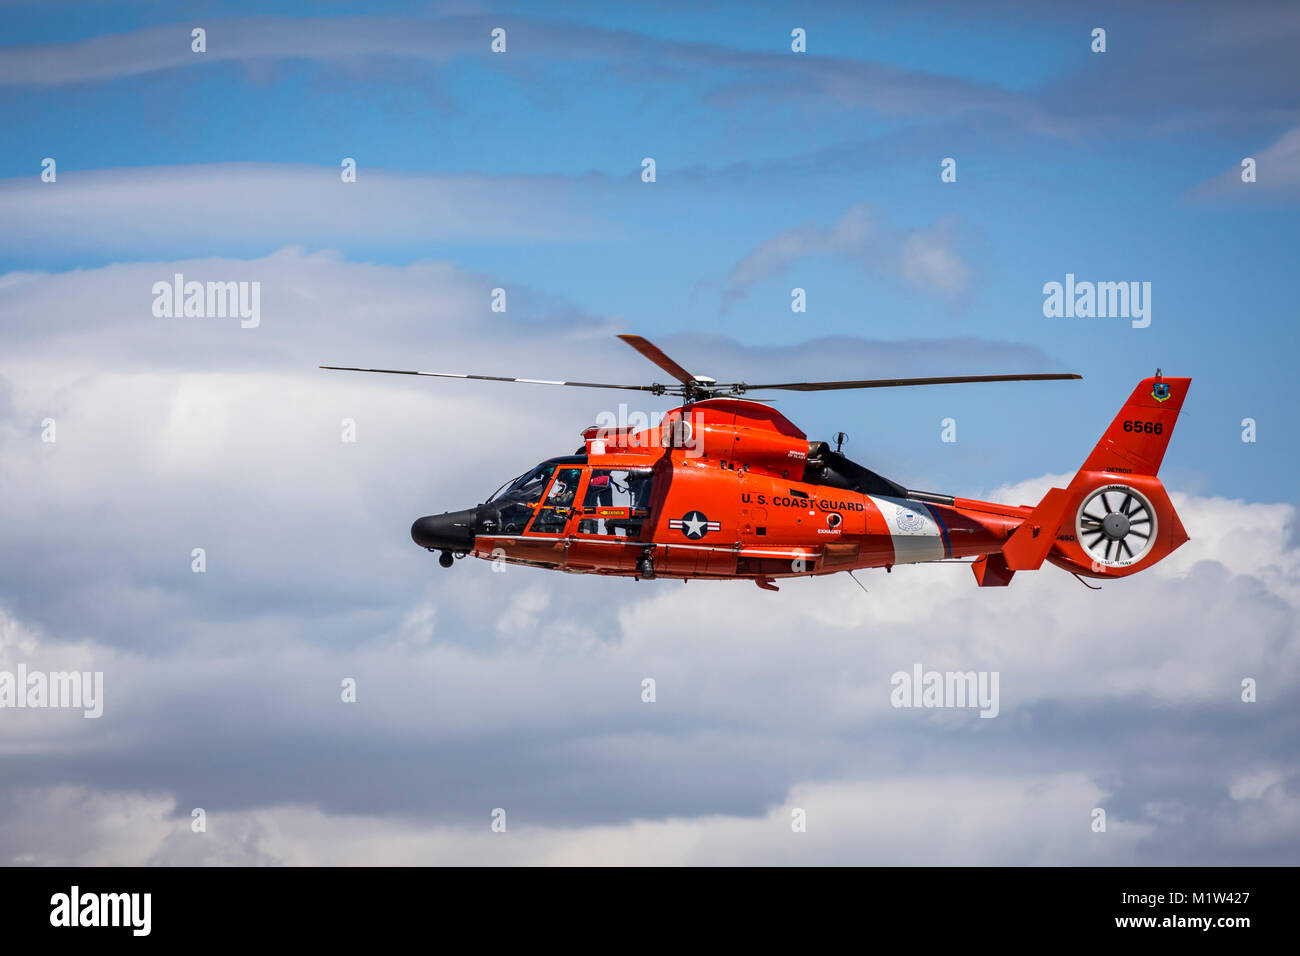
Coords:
pixel 693 388
pixel 1116 526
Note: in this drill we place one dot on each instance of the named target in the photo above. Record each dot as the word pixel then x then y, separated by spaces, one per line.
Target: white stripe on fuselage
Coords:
pixel 917 538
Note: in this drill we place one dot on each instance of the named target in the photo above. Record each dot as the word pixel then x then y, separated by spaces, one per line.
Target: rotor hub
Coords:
pixel 1115 526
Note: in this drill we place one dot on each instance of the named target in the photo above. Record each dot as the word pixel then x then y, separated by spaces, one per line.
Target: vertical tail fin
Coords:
pixel 1115 518
pixel 1119 518
pixel 1136 441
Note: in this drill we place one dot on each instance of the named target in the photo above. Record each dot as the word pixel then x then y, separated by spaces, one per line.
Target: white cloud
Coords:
pixel 146 208
pixel 1277 172
pixel 927 259
pixel 355 43
pixel 783 685
pixel 522 690
pixel 945 820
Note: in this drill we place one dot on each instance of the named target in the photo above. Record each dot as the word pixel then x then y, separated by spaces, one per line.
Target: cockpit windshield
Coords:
pixel 527 488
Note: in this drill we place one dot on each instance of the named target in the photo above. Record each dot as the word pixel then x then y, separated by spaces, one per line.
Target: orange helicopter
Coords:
pixel 727 487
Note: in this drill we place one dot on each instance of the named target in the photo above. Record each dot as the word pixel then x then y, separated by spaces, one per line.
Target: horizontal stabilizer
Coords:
pixel 991 571
pixel 1027 548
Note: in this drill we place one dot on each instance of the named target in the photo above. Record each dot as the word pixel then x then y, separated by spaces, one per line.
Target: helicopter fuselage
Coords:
pixel 723 488
pixel 726 487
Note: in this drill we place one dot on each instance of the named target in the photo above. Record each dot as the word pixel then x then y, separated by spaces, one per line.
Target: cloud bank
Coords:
pixel 522 691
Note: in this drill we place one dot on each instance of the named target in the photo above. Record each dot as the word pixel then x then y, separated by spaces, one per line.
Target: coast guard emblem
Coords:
pixel 909 521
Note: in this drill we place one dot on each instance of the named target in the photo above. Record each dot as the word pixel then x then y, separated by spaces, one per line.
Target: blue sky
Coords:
pixel 1102 186
pixel 775 170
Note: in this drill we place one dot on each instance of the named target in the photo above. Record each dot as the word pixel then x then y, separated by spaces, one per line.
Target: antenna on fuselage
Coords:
pixel 840 439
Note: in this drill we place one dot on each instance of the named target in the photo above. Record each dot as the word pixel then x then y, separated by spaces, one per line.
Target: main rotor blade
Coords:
pixel 897 382
pixel 657 389
pixel 656 355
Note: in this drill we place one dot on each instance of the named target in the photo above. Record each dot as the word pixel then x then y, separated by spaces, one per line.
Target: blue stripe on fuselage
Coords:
pixel 943 529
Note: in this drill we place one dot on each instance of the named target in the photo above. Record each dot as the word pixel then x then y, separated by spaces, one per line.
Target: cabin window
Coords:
pixel 617 502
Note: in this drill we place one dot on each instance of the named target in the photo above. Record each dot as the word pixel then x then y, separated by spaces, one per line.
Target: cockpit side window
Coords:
pixel 554 513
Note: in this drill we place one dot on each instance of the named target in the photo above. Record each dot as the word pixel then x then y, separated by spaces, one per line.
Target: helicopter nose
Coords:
pixel 452 531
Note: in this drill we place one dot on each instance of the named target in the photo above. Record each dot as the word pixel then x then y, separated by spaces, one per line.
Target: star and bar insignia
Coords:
pixel 694 524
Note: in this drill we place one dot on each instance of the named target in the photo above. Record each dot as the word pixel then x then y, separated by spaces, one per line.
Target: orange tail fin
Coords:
pixel 1115 518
